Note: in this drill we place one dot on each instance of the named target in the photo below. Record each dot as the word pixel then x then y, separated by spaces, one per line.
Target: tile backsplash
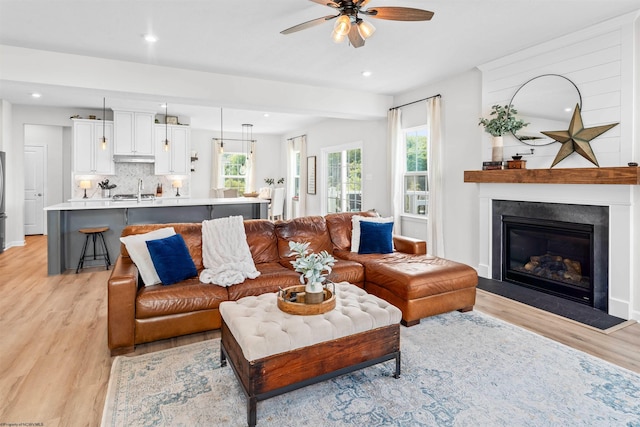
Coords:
pixel 126 179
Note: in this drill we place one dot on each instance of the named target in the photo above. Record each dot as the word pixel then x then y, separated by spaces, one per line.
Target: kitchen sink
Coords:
pixel 129 197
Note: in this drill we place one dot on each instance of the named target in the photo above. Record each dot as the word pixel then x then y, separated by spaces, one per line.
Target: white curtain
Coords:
pixel 290 185
pixel 302 203
pixel 217 151
pixel 435 231
pixel 250 186
pixel 396 154
pixel 297 144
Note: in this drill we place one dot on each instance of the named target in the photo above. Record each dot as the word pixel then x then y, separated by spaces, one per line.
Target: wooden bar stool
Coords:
pixel 94 233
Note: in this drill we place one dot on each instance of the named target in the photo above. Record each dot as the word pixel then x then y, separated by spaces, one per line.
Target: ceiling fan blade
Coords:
pixel 327 3
pixel 362 3
pixel 355 38
pixel 308 24
pixel 399 13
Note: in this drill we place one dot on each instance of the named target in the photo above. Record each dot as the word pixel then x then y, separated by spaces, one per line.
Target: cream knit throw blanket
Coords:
pixel 225 253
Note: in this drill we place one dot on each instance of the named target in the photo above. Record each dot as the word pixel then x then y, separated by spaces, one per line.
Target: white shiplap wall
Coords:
pixel 604 63
pixel 599 61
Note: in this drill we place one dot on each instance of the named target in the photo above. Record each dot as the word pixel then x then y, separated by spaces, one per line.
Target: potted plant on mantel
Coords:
pixel 504 121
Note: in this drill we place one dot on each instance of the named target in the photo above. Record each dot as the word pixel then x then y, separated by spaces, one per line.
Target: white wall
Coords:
pixel 599 61
pixel 5 121
pixel 461 96
pixel 50 137
pixel 335 132
pixel 12 205
pixel 461 106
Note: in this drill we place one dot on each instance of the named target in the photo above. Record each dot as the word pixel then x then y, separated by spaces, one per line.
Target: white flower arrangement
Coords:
pixel 310 264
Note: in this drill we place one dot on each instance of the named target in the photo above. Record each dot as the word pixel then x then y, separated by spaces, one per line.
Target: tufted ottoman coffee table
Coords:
pixel 272 352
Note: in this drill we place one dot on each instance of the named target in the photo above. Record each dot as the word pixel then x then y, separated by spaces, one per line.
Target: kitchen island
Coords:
pixel 64 242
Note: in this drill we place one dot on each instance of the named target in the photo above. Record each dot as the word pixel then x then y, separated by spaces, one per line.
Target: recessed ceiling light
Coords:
pixel 366 73
pixel 266 114
pixel 150 38
pixel 36 95
pixel 163 105
pixel 568 109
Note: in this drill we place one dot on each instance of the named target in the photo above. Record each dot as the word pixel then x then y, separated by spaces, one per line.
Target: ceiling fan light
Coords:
pixel 337 37
pixel 342 25
pixel 366 29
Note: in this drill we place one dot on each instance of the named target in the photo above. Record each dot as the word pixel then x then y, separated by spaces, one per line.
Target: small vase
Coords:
pixel 496 149
pixel 106 193
pixel 313 293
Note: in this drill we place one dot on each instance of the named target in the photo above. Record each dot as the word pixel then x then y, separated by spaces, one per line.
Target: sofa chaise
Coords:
pixel 419 284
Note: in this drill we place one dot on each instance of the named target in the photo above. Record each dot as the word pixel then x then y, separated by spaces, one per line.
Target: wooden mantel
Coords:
pixel 610 175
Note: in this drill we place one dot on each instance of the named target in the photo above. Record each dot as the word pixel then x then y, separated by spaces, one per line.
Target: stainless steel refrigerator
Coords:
pixel 3 215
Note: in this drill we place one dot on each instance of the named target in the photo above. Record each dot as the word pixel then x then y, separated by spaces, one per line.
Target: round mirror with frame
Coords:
pixel 547 103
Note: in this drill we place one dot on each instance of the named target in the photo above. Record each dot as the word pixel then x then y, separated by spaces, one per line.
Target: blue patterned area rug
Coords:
pixel 458 369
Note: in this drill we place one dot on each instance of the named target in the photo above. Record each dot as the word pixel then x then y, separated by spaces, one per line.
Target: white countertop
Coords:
pixel 154 203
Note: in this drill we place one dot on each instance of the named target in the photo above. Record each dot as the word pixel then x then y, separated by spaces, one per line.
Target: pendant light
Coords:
pixel 166 127
pixel 249 131
pixel 103 141
pixel 246 129
pixel 221 148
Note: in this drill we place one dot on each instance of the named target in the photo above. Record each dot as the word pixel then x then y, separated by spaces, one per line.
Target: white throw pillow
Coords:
pixel 137 247
pixel 355 228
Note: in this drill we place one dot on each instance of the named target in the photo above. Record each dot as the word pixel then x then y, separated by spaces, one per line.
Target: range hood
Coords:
pixel 130 158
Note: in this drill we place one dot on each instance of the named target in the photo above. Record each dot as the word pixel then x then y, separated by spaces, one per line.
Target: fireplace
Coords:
pixel 560 249
pixel 550 256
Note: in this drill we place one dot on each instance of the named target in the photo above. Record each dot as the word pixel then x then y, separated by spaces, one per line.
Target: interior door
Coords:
pixel 34 189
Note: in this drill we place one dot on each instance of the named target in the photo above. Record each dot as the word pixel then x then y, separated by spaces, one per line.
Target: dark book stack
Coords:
pixel 487 166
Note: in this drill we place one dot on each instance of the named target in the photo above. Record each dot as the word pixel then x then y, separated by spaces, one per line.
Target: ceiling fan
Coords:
pixel 349 25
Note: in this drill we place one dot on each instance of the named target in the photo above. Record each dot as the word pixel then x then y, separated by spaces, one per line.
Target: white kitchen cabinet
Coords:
pixel 88 155
pixel 133 133
pixel 175 160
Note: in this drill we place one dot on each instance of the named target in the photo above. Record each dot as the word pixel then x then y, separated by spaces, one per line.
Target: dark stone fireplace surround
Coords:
pixel 598 216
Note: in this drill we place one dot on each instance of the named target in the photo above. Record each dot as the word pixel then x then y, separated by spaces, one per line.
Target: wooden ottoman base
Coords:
pixel 280 373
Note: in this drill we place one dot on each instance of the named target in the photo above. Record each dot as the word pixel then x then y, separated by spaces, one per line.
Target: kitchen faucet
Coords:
pixel 140 187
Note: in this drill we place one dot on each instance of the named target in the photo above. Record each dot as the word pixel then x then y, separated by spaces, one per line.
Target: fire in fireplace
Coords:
pixel 551 256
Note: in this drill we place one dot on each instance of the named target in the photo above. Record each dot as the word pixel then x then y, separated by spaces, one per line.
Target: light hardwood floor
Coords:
pixel 55 364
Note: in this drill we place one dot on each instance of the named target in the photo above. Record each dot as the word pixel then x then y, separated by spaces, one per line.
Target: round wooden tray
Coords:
pixel 299 307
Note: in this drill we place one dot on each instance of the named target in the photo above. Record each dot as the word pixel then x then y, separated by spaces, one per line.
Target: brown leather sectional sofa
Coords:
pixel 420 285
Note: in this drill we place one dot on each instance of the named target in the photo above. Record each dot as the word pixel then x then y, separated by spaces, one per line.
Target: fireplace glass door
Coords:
pixel 551 256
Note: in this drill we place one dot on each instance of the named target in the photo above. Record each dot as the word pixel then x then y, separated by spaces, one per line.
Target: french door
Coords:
pixel 343 178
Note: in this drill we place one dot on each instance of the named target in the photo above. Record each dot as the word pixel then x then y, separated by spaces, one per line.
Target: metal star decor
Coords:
pixel 577 138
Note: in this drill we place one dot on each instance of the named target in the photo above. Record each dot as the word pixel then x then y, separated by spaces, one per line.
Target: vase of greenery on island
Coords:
pixel 106 188
pixel 313 267
pixel 504 121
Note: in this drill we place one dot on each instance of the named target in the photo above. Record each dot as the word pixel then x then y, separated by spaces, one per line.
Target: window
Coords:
pixel 344 180
pixel 233 171
pixel 416 194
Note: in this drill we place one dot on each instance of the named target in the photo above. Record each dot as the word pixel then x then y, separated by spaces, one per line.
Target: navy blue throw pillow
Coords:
pixel 376 237
pixel 172 259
